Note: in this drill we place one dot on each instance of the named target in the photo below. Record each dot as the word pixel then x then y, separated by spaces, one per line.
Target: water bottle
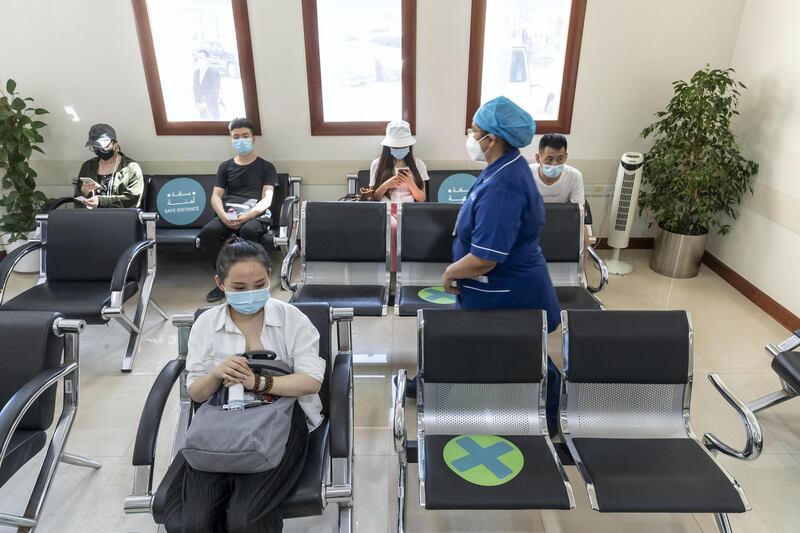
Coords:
pixel 236 397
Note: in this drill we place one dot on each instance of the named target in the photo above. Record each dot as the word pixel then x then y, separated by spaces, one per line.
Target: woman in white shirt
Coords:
pixel 397 176
pixel 249 321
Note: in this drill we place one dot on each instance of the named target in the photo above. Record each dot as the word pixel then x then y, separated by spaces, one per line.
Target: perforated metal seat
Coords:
pixel 563 248
pixel 424 249
pixel 625 416
pixel 482 434
pixel 345 257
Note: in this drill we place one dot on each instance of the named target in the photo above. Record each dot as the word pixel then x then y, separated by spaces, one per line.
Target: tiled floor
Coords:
pixel 730 334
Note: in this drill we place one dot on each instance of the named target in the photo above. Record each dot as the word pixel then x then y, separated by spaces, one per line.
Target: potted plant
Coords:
pixel 694 172
pixel 19 138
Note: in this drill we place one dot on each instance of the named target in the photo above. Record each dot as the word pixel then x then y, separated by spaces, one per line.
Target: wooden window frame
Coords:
pixel 241 22
pixel 408 76
pixel 570 76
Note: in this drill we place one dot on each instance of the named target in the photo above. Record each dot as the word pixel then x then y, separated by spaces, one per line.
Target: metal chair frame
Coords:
pixel 115 310
pixel 313 273
pixel 675 424
pixel 787 392
pixel 69 373
pixel 338 488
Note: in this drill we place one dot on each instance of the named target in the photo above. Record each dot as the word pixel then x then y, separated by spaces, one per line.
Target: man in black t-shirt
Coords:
pixel 245 179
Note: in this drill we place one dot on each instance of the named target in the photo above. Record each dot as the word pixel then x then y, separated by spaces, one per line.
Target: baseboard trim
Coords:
pixel 782 315
pixel 635 243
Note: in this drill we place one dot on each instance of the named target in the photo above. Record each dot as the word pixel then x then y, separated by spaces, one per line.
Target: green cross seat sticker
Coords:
pixel 485 460
pixel 436 295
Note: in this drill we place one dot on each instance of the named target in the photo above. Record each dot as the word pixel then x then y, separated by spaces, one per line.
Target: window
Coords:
pixel 360 58
pixel 198 62
pixel 527 50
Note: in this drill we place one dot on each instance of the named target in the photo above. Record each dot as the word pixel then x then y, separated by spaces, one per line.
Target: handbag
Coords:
pixel 241 441
pixel 364 194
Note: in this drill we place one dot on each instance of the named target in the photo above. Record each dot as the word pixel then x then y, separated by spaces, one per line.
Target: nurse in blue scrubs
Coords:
pixel 497 261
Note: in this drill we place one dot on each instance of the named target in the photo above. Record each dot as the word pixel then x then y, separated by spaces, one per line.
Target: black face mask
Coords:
pixel 105 155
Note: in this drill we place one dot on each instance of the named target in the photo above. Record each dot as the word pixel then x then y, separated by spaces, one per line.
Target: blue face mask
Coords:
pixel 552 171
pixel 242 146
pixel 400 153
pixel 247 302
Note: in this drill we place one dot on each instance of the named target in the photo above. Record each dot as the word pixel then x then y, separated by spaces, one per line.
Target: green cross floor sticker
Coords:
pixel 436 295
pixel 485 460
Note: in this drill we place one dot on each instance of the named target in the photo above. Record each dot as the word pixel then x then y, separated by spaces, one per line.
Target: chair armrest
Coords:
pixel 55 203
pixel 294 186
pixel 11 260
pixel 287 208
pixel 286 269
pixel 23 399
pixel 144 448
pixel 124 263
pixel 755 438
pixel 399 413
pixel 340 405
pixel 352 183
pixel 601 266
pixel 587 212
pixel 786 346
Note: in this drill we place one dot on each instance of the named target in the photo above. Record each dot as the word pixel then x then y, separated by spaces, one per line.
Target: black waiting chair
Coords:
pixel 424 250
pixel 345 257
pixel 183 203
pixel 625 416
pixel 455 190
pixel 93 261
pixel 482 440
pixel 39 350
pixel 328 473
pixel 563 248
pixel 786 364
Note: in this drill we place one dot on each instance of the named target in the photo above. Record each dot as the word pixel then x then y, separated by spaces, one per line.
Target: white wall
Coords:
pixel 764 245
pixel 74 52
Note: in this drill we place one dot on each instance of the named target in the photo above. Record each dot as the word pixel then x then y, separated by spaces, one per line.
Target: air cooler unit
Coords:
pixel 623 209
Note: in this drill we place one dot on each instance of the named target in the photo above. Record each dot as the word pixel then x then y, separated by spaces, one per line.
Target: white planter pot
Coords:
pixel 28 264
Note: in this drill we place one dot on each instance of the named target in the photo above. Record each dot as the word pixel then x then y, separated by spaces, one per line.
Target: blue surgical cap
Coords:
pixel 507 120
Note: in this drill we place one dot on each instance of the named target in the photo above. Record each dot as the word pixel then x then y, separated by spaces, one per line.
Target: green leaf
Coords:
pixel 18 104
pixel 10 86
pixel 40 111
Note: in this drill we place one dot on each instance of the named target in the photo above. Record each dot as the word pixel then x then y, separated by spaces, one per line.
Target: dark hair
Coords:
pixel 556 141
pixel 241 122
pixel 385 168
pixel 237 250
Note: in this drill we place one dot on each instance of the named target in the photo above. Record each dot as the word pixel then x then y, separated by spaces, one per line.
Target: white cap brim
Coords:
pixel 398 142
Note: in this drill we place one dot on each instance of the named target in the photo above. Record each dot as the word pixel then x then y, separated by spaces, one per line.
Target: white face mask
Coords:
pixel 474 148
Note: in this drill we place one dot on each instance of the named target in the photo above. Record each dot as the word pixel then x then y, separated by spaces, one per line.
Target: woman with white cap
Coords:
pixel 397 176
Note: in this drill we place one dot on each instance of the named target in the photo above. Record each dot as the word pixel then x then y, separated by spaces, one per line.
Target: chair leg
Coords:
pixel 159 309
pixel 770 400
pixel 345 517
pixel 80 460
pixel 723 523
pixel 138 321
pixel 24 524
pixel 401 495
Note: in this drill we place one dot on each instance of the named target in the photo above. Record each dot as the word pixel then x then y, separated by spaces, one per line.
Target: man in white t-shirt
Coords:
pixel 558 182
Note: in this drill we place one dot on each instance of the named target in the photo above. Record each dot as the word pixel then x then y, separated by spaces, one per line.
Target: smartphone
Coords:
pixel 404 170
pixel 89 180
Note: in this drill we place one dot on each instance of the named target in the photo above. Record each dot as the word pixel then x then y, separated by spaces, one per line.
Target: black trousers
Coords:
pixel 215 233
pixel 204 502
